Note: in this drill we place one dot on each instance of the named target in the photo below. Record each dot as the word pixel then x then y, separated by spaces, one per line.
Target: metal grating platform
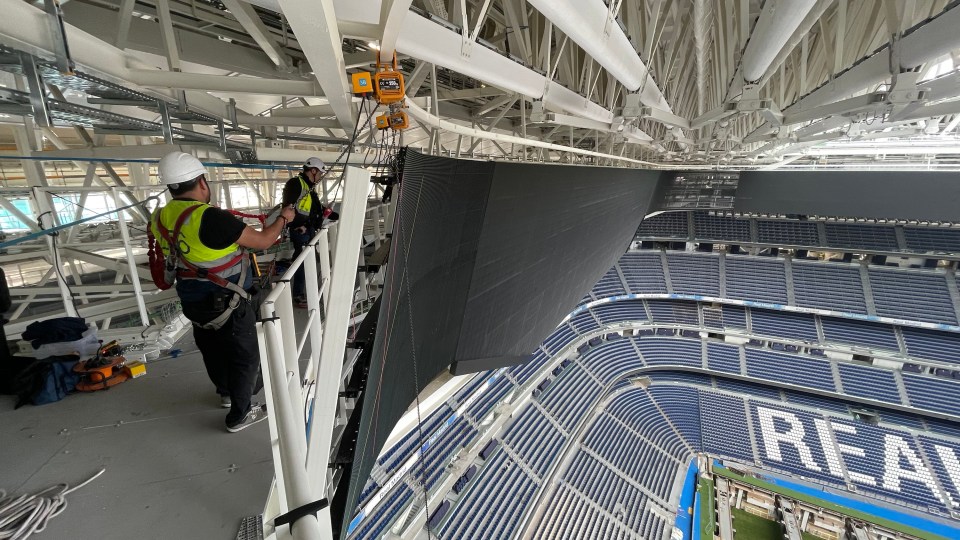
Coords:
pixel 251 528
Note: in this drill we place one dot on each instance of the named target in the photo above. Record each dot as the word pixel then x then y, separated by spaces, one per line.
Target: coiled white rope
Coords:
pixel 27 514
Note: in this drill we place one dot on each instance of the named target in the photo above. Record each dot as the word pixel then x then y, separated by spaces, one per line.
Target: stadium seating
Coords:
pixel 791 369
pixel 643 271
pixel 913 295
pixel 615 312
pixel 674 312
pixel 859 333
pixel 831 286
pixel 756 279
pixel 492 507
pixel 611 361
pixel 723 357
pixel 609 284
pixel 932 239
pixel 869 382
pixel 787 233
pixel 694 273
pixel 618 479
pixel 665 225
pixel 838 236
pixel 861 237
pixel 531 425
pixel 933 345
pixel 796 326
pixel 718 228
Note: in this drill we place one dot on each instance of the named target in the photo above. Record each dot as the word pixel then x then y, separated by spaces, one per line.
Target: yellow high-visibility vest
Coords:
pixel 305 202
pixel 191 248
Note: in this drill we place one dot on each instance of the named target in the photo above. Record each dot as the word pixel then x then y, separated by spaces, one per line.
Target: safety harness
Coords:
pixel 176 266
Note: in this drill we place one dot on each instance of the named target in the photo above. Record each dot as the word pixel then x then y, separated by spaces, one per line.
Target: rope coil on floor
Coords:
pixel 24 515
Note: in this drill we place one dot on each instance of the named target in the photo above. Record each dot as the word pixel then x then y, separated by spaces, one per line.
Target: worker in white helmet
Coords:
pixel 300 193
pixel 214 281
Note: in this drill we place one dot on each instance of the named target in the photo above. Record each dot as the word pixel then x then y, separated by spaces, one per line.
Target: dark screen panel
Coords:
pixel 549 234
pixel 436 231
pixel 487 259
pixel 922 195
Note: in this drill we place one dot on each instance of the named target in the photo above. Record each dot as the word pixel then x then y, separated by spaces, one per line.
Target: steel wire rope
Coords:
pixel 391 311
pixel 413 351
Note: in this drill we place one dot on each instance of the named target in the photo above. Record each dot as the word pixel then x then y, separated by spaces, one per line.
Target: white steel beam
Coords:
pixel 934 39
pixel 593 26
pixel 25 27
pixel 392 15
pixel 316 22
pixel 170 45
pixel 248 18
pixel 495 103
pixel 778 21
pixel 152 78
pixel 430 120
pixel 146 151
pixel 294 155
pixel 251 120
pixel 124 18
pixel 436 44
pixel 307 111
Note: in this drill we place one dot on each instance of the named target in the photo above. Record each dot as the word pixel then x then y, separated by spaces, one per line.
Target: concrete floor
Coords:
pixel 172 470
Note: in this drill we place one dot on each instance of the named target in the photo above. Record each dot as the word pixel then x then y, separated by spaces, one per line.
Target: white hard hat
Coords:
pixel 179 167
pixel 316 163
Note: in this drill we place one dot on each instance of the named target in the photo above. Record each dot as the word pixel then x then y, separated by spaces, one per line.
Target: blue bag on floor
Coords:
pixel 48 380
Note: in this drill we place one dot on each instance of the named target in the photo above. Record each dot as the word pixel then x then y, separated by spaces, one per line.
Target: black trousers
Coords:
pixel 231 355
pixel 300 241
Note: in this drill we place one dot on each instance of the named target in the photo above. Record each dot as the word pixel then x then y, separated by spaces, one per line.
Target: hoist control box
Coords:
pixel 398 120
pixel 388 84
pixel 389 87
pixel 362 84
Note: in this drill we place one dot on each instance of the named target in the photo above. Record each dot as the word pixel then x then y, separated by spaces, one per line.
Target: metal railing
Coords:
pixel 303 403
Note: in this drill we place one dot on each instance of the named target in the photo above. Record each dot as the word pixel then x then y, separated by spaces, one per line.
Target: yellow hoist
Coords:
pixel 388 88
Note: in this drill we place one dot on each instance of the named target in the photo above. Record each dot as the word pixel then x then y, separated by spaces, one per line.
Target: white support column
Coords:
pixel 47 220
pixel 298 489
pixel 171 48
pixel 131 260
pixel 124 18
pixel 324 50
pixel 356 183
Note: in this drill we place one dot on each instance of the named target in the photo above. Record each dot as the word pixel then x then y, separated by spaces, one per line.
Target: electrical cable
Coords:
pixel 349 149
pixel 22 516
pixel 57 263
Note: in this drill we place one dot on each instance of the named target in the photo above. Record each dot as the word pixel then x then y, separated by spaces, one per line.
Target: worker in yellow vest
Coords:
pixel 214 282
pixel 300 193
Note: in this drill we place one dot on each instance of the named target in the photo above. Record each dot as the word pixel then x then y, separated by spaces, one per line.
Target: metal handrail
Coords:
pixel 301 455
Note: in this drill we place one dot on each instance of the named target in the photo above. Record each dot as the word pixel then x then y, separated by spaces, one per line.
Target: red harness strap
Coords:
pixel 193 271
pixel 261 217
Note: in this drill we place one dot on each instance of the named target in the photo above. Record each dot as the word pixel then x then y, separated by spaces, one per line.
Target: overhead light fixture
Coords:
pixel 373 45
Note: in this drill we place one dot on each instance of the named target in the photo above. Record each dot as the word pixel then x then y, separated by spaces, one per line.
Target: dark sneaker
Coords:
pixel 225 402
pixel 256 414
